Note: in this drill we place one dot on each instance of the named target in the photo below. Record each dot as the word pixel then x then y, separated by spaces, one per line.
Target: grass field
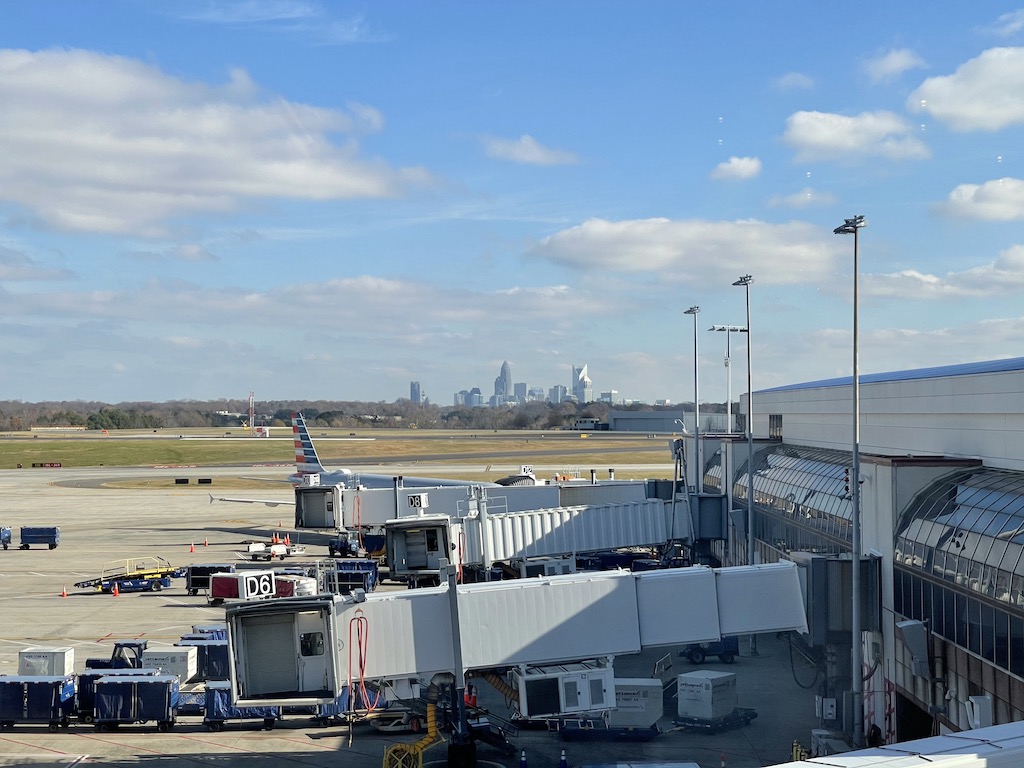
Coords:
pixel 364 450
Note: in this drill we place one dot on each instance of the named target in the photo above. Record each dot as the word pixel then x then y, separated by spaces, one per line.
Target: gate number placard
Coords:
pixel 255 585
pixel 418 500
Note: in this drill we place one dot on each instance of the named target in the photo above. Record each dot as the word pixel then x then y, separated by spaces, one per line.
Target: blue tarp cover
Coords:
pixel 218 705
pixel 130 699
pixel 36 697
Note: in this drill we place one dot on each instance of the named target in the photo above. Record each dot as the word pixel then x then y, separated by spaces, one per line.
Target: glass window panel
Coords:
pixel 948 614
pixel 1017 645
pixel 988 649
pixel 1001 640
pixel 960 614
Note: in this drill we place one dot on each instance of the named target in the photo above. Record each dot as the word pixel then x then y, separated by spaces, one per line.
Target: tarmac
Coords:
pixel 101 524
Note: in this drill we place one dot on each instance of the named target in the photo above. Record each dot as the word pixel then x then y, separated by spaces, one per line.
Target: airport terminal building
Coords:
pixel 942 519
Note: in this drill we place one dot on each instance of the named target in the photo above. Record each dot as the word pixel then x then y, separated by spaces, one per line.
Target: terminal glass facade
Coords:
pixel 802 498
pixel 958 563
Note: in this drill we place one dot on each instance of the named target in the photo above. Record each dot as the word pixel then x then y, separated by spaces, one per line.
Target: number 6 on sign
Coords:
pixel 255 585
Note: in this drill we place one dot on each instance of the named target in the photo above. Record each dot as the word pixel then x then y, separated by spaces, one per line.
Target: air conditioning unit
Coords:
pixel 564 689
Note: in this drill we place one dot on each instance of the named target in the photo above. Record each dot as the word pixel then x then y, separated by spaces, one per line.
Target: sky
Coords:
pixel 328 200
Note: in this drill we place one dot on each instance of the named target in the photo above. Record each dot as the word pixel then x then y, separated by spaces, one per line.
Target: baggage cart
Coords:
pixel 123 700
pixel 46 699
pixel 40 534
pixel 740 716
pixel 197 576
pixel 219 708
pixel 212 662
pixel 85 693
pixel 5 536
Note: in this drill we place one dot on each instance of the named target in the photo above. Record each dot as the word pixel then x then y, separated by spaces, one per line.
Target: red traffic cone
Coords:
pixel 116 590
pixel 64 591
pixel 287 540
pixel 192 547
pixel 206 541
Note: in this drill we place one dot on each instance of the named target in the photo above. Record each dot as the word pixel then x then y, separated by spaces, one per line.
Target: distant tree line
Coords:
pixel 16 416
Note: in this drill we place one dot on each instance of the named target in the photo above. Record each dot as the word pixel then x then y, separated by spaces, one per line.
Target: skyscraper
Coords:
pixel 503 384
pixel 582 388
pixel 415 394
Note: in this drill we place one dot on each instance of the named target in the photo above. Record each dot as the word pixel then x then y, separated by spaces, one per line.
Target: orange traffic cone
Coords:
pixel 116 590
pixel 273 539
pixel 192 547
pixel 287 540
pixel 206 542
pixel 64 591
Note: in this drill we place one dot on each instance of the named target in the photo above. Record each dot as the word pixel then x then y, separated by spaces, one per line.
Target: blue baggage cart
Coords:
pixel 40 534
pixel 211 659
pixel 5 536
pixel 85 695
pixel 123 700
pixel 219 708
pixel 46 699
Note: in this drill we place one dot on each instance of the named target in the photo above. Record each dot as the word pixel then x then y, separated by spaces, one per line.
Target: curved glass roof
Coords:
pixel 807 485
pixel 968 528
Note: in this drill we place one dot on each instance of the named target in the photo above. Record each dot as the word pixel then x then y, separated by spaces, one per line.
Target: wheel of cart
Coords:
pixel 269 723
pixel 165 725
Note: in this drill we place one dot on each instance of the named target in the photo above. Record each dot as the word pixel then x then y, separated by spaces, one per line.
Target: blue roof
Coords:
pixel 937 372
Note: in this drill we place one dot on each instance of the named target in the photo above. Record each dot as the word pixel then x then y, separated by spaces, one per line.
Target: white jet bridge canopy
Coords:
pixel 306 650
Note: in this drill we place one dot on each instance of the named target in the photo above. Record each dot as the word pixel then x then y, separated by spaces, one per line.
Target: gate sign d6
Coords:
pixel 256 585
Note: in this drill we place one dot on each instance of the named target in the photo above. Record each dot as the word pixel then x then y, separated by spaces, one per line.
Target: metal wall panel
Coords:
pixel 760 598
pixel 677 606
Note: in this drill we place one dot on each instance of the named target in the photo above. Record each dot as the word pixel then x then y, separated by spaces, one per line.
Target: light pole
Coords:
pixel 850 227
pixel 729 331
pixel 698 469
pixel 745 282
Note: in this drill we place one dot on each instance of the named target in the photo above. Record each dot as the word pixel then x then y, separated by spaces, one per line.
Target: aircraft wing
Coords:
pixel 268 502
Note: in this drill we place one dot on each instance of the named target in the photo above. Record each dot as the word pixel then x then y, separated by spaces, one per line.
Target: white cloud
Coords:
pixel 805 198
pixel 985 93
pixel 828 136
pixel 1007 25
pixel 695 251
pixel 1004 276
pixel 891 65
pixel 996 200
pixel 102 143
pixel 526 149
pixel 737 168
pixel 311 21
pixel 794 81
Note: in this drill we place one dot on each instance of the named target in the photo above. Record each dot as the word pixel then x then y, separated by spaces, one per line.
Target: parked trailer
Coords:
pixel 219 709
pixel 123 700
pixel 197 576
pixel 40 534
pixel 46 699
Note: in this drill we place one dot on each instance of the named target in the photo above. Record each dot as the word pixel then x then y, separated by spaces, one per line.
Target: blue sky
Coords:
pixel 328 200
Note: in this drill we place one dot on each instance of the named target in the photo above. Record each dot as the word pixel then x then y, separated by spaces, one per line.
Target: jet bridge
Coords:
pixel 302 651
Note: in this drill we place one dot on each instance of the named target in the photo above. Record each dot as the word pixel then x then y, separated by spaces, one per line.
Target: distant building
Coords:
pixel 461 396
pixel 535 393
pixel 475 399
pixel 582 387
pixel 519 391
pixel 611 396
pixel 557 394
pixel 415 394
pixel 503 385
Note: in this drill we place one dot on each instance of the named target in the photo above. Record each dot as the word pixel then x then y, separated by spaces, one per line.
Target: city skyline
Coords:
pixel 508 391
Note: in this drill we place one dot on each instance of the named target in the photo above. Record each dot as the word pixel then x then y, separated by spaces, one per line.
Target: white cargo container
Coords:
pixel 639 703
pixel 706 694
pixel 40 660
pixel 181 660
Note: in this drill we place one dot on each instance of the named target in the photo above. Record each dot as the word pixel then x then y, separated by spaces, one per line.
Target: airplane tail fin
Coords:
pixel 306 460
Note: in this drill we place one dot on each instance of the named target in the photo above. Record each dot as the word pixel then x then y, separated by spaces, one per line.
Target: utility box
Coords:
pixel 181 661
pixel 639 703
pixel 564 689
pixel 46 661
pixel 706 694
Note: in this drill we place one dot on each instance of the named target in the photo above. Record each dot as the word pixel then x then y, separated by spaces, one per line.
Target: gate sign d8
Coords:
pixel 254 585
pixel 418 500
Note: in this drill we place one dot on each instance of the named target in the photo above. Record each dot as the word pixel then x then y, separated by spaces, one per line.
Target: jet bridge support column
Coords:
pixel 462 748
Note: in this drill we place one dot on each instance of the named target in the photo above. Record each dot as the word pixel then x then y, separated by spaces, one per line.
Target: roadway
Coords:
pixel 100 524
